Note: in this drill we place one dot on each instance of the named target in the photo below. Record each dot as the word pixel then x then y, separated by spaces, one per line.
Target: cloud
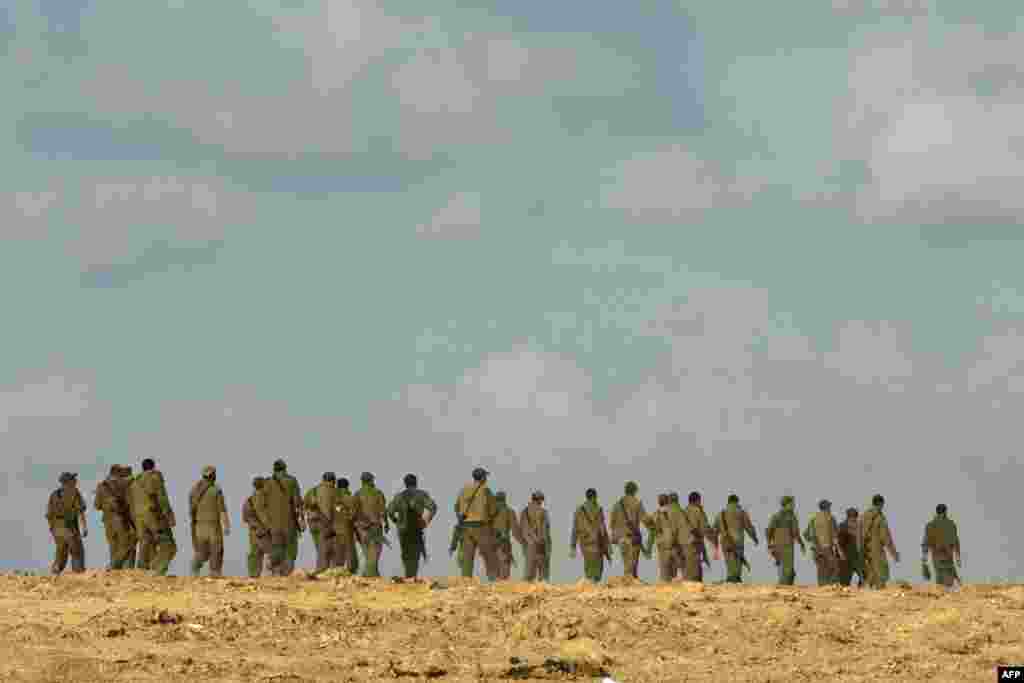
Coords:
pixel 458 219
pixel 935 116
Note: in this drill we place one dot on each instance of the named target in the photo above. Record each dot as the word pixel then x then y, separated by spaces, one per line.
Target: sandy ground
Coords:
pixel 134 627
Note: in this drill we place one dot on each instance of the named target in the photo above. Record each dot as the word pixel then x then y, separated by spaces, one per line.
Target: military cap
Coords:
pixel 329 476
pixel 733 498
pixel 479 474
pixel 940 509
pixel 279 465
pixel 694 497
pixel 409 480
pixel 209 471
pixel 591 493
pixel 341 483
pixel 148 464
pixel 538 495
pixel 825 505
pixel 878 499
pixel 631 487
pixel 500 495
pixel 366 477
pixel 786 500
pixel 67 477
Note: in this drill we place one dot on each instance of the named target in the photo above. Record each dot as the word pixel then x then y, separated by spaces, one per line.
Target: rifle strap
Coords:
pixel 205 485
pixel 469 503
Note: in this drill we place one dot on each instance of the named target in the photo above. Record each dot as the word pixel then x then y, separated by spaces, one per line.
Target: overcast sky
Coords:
pixel 771 251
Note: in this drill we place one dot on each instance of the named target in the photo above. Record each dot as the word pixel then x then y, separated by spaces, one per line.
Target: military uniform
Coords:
pixel 665 532
pixel 506 528
pixel 278 513
pixel 345 554
pixel 943 541
pixel 696 551
pixel 627 516
pixel 321 509
pixel 295 522
pixel 112 502
pixel 822 533
pixel 410 511
pixel 536 530
pixel 476 507
pixel 590 533
pixel 259 529
pixel 138 503
pixel 313 517
pixel 157 521
pixel 875 539
pixel 782 532
pixel 731 526
pixel 371 524
pixel 64 511
pixel 209 516
pixel 849 560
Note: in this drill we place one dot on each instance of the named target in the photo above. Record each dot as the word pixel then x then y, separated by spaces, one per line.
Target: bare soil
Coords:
pixel 135 627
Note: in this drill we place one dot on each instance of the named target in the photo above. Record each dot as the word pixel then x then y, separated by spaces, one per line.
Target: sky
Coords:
pixel 767 252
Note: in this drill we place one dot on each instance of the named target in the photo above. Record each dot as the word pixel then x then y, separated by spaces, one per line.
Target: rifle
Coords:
pixel 460 520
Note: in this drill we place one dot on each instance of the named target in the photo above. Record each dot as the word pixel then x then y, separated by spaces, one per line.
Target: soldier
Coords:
pixel 112 501
pixel 125 479
pixel 138 504
pixel 371 523
pixel 536 528
pixel 783 530
pixel 627 515
pixel 475 509
pixel 345 554
pixel 591 534
pixel 411 511
pixel 157 520
pixel 700 529
pixel 664 529
pixel 321 509
pixel 941 538
pixel 210 523
pixel 849 559
pixel 875 539
pixel 278 514
pixel 259 529
pixel 506 527
pixel 731 525
pixel 65 513
pixel 297 523
pixel 822 533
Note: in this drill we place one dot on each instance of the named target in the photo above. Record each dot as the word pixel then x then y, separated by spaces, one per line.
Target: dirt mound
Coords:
pixel 136 627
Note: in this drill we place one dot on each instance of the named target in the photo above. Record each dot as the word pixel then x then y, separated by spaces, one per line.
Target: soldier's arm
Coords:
pixel 748 526
pixel 573 537
pixel 82 521
pixel 225 521
pixel 429 509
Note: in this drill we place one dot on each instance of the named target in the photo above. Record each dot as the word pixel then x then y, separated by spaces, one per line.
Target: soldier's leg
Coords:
pixel 665 564
pixel 166 550
pixel 60 552
pixel 592 564
pixel 488 544
pixel 147 540
pixel 372 553
pixel 325 549
pixel 315 532
pixel 279 552
pixel 788 566
pixel 126 541
pixel 77 551
pixel 254 560
pixel 732 566
pixel 110 533
pixel 502 553
pixel 353 554
pixel 470 545
pixel 293 548
pixel 200 553
pixel 216 542
pixel 410 546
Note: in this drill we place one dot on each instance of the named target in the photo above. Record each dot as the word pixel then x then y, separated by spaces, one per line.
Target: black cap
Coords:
pixel 279 465
pixel 694 497
pixel 342 483
pixel 329 476
pixel 878 499
pixel 940 509
pixel 825 504
pixel 366 477
pixel 409 480
pixel 148 464
pixel 479 474
pixel 591 493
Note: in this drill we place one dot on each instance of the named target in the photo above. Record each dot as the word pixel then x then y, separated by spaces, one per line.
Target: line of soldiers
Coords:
pixel 139 521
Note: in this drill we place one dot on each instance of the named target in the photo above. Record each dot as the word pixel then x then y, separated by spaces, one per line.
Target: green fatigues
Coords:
pixel 536 530
pixel 627 516
pixel 695 550
pixel 206 505
pixel 138 503
pixel 506 527
pixel 406 512
pixel 157 520
pixel 371 508
pixel 823 535
pixel 112 501
pixel 731 526
pixel 63 510
pixel 591 534
pixel 664 532
pixel 477 507
pixel 259 534
pixel 293 531
pixel 849 562
pixel 875 538
pixel 782 532
pixel 344 532
pixel 320 507
pixel 278 512
pixel 313 517
pixel 942 539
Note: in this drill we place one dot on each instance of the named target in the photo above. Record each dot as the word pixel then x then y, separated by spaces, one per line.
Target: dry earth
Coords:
pixel 134 627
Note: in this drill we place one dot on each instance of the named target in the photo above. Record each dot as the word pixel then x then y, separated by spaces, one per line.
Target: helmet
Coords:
pixel 825 505
pixel 209 471
pixel 341 483
pixel 279 465
pixel 591 493
pixel 409 480
pixel 694 497
pixel 366 477
pixel 941 509
pixel 479 474
pixel 67 477
pixel 329 476
pixel 148 464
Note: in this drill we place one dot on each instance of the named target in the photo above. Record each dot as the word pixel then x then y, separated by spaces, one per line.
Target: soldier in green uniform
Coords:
pixel 278 501
pixel 158 520
pixel 782 532
pixel 822 533
pixel 590 533
pixel 65 514
pixel 297 524
pixel 875 539
pixel 627 516
pixel 411 511
pixel 731 526
pixel 536 529
pixel 700 531
pixel 112 501
pixel 313 517
pixel 345 554
pixel 943 541
pixel 849 559
pixel 506 528
pixel 210 523
pixel 664 529
pixel 324 503
pixel 475 509
pixel 259 529
pixel 138 503
pixel 371 523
